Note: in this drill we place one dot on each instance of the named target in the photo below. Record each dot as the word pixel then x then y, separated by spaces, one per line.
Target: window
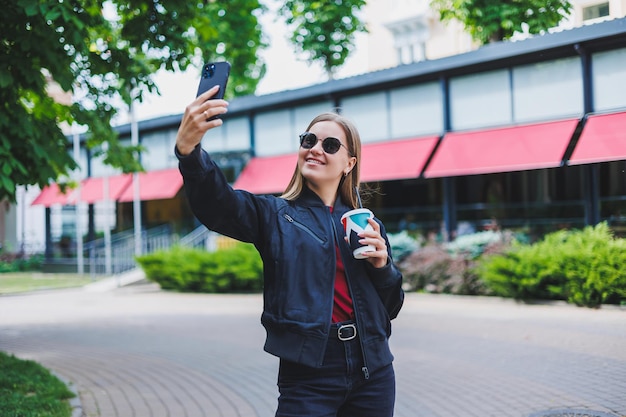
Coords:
pixel 596 11
pixel 609 73
pixel 370 113
pixel 547 90
pixel 479 100
pixel 416 110
pixel 158 153
pixel 305 113
pixel 236 134
pixel 274 134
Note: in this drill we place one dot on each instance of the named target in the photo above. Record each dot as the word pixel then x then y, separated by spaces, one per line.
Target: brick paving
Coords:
pixel 140 352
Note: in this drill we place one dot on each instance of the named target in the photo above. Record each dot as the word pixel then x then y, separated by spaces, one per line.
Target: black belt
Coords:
pixel 343 331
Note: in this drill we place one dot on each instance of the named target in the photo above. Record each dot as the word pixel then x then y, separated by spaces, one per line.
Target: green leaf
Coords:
pixel 5 79
pixel 8 185
pixel 487 20
pixel 53 14
pixel 323 32
pixel 6 169
pixel 30 7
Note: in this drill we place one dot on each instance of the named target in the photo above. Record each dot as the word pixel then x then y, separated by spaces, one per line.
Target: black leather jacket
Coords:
pixel 296 240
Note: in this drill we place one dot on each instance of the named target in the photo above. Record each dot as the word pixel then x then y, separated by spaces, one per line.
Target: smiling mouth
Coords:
pixel 314 161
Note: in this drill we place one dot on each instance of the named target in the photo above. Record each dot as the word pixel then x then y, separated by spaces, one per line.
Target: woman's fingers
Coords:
pixel 198 118
pixel 378 257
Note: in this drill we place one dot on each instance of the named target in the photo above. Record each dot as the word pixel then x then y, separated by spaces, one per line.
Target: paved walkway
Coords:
pixel 140 352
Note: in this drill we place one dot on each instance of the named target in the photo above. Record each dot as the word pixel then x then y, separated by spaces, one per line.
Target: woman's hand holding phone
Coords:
pixel 203 113
pixel 200 116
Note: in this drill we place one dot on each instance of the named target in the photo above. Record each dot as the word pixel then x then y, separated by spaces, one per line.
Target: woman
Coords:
pixel 327 315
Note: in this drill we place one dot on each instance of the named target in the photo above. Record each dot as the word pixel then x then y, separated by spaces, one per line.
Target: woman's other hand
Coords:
pixel 380 256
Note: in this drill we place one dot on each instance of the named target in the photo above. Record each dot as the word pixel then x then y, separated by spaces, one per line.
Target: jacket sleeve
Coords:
pixel 234 213
pixel 388 282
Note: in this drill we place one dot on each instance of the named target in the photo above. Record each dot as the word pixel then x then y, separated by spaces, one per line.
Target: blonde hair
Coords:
pixel 349 184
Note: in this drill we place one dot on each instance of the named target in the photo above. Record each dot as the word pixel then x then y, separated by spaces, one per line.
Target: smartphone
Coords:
pixel 214 73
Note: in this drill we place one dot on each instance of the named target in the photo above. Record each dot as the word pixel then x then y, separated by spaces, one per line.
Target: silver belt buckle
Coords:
pixel 346 332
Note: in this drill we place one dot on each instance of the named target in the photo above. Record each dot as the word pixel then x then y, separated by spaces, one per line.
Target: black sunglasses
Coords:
pixel 330 145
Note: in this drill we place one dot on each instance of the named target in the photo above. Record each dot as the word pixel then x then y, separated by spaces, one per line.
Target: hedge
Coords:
pixel 584 267
pixel 236 269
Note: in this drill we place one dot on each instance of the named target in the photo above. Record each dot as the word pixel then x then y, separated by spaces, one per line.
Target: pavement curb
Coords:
pixel 75 402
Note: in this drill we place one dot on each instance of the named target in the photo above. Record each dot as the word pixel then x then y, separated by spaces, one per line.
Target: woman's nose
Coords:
pixel 318 147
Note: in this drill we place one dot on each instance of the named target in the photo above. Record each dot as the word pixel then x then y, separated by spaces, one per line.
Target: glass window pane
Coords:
pixel 213 140
pixel 596 11
pixel 416 110
pixel 274 133
pixel 233 135
pixel 609 79
pixel 370 114
pixel 236 134
pixel 159 150
pixel 548 90
pixel 304 114
pixel 82 162
pixel 480 100
pixel 99 169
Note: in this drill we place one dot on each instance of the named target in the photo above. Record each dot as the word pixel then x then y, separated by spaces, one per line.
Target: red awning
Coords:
pixel 154 185
pixel 603 139
pixel 267 175
pixel 396 160
pixel 508 149
pixel 92 189
pixel 51 195
pixel 381 162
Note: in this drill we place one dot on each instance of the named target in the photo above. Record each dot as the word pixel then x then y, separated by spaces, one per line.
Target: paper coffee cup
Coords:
pixel 355 222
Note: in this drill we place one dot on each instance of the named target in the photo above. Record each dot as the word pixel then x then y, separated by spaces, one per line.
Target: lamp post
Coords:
pixel 106 199
pixel 134 139
pixel 80 265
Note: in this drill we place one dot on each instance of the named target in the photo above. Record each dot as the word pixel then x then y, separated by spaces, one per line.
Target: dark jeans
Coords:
pixel 338 388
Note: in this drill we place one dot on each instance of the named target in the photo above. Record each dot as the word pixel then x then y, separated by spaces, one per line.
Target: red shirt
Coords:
pixel 343 309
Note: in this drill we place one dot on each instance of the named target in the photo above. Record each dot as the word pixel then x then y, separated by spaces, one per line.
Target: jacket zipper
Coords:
pixel 302 227
pixel 364 369
pixel 321 242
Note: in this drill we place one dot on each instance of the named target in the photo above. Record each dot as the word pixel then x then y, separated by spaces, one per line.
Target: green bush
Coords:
pixel 237 269
pixel 583 267
pixel 16 263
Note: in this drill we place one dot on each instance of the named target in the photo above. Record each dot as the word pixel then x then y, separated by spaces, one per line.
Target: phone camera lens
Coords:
pixel 211 70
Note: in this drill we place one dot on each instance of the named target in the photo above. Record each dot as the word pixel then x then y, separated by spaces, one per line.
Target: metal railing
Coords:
pixel 201 237
pixel 155 239
pixel 123 249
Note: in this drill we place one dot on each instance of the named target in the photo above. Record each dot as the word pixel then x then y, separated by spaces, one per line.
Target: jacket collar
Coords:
pixel 309 197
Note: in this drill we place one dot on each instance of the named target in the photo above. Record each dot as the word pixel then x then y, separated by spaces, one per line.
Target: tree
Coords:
pixel 324 30
pixel 493 20
pixel 104 52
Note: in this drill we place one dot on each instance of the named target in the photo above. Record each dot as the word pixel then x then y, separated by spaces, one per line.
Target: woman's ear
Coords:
pixel 351 164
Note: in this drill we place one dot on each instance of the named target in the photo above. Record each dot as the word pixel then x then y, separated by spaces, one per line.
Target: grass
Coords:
pixel 16 282
pixel 27 389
